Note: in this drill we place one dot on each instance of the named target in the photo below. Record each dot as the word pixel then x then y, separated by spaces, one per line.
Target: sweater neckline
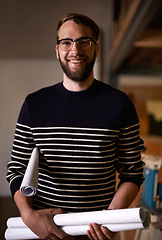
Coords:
pixel 74 95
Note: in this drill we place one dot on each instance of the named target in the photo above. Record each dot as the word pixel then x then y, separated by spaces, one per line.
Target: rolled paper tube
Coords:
pixel 19 233
pixel 18 230
pixel 134 215
pixel 82 230
pixel 15 222
pixel 29 184
pixel 100 217
pixel 26 233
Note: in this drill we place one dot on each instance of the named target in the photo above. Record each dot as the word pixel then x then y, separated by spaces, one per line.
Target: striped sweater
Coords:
pixel 83 138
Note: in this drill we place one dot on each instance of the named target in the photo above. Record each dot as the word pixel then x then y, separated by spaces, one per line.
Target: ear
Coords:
pixel 56 49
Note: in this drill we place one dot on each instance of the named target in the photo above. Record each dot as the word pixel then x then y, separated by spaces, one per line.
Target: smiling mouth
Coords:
pixel 76 61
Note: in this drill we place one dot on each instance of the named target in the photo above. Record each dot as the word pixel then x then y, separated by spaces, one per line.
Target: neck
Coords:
pixel 75 86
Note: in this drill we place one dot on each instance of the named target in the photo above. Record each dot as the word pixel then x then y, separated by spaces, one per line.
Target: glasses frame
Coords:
pixel 76 40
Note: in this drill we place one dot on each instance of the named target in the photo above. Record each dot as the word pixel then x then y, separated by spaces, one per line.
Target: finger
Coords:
pixel 61 234
pixel 89 234
pixel 54 238
pixel 57 211
pixel 57 232
pixel 107 232
pixel 50 237
pixel 100 234
pixel 93 230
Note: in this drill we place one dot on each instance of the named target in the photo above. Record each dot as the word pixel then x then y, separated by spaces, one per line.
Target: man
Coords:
pixel 85 131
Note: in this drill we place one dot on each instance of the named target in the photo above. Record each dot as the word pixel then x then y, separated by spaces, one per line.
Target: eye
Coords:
pixel 84 42
pixel 66 43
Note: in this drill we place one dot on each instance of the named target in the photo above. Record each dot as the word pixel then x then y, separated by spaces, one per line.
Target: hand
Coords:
pixel 41 223
pixel 97 232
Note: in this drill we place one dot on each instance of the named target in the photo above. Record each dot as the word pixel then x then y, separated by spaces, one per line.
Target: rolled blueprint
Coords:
pixel 18 230
pixel 29 184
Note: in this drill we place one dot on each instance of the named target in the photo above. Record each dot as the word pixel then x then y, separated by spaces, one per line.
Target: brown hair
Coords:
pixel 80 19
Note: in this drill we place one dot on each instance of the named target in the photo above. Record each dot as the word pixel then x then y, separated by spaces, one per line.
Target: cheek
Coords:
pixel 62 57
pixel 58 54
pixel 91 52
pixel 92 55
pixel 56 51
pixel 97 49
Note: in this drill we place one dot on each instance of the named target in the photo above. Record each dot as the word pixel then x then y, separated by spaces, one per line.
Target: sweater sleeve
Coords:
pixel 21 151
pixel 129 147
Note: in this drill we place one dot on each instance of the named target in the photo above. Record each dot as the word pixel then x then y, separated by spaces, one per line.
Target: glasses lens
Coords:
pixel 84 43
pixel 65 45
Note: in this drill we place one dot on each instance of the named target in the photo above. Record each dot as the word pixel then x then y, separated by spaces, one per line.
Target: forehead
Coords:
pixel 70 29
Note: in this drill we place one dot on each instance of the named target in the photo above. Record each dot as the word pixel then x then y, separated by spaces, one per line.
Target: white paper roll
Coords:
pixel 26 233
pixel 18 230
pixel 29 184
pixel 82 230
pixel 19 233
pixel 15 222
pixel 100 217
pixel 134 215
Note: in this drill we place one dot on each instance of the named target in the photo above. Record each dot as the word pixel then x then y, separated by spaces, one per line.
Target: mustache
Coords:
pixel 76 56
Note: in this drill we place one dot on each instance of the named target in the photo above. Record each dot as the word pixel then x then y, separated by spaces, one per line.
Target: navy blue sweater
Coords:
pixel 83 138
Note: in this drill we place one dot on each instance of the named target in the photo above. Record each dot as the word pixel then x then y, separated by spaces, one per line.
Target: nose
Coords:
pixel 75 47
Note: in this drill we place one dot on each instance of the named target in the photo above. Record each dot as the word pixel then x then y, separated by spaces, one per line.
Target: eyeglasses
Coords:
pixel 83 43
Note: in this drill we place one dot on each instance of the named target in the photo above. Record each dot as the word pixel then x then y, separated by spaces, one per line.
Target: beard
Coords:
pixel 80 75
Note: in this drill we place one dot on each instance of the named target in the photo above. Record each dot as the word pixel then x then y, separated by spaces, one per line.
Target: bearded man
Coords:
pixel 85 131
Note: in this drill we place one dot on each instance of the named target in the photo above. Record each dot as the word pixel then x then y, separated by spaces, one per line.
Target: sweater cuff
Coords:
pixel 15 185
pixel 136 181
